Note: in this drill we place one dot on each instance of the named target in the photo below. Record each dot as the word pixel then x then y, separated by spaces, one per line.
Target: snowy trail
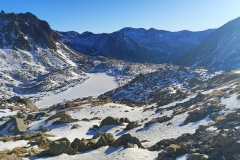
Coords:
pixel 97 84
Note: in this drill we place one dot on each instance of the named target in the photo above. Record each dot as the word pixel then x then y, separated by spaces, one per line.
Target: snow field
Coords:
pixel 97 84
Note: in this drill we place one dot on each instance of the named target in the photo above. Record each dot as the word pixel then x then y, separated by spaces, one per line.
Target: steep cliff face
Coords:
pixel 31 57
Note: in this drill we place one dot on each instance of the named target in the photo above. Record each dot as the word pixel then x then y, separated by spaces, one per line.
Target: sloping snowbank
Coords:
pixel 111 153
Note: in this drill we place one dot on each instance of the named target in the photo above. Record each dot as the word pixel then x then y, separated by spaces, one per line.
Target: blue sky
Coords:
pixel 105 16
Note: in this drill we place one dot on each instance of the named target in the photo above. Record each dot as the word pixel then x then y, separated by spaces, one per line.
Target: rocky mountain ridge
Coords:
pixel 135 45
pixel 219 51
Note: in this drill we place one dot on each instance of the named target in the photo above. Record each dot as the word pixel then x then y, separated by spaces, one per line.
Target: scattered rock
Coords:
pixel 40 115
pixel 222 140
pixel 95 118
pixel 83 144
pixel 110 121
pixel 42 141
pixel 186 146
pixel 196 116
pixel 94 127
pixel 30 136
pixel 27 103
pixel 43 129
pixel 30 117
pixel 162 155
pixel 37 138
pixel 132 125
pixel 86 119
pixel 162 144
pixel 125 139
pixel 34 152
pixel 124 120
pixel 172 150
pixel 159 120
pixel 63 116
pixel 14 125
pixel 75 126
pixel 61 146
pixel 105 139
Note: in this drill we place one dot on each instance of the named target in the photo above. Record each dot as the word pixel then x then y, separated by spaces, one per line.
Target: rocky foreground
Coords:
pixel 204 125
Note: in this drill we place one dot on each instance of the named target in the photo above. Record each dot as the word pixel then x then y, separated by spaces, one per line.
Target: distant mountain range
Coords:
pixel 218 49
pixel 136 45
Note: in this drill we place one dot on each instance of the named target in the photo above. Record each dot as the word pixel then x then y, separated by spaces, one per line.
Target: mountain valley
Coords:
pixel 131 94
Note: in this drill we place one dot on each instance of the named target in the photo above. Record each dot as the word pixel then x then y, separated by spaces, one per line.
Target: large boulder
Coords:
pixel 172 150
pixel 110 121
pixel 61 146
pixel 30 136
pixel 105 139
pixel 125 140
pixel 83 144
pixel 37 138
pixel 186 146
pixel 28 104
pixel 62 117
pixel 42 141
pixel 162 144
pixel 124 120
pixel 14 125
pixel 132 125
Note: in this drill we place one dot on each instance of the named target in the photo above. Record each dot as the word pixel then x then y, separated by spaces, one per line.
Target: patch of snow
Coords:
pixel 183 157
pixel 159 131
pixel 11 145
pixel 178 101
pixel 7 112
pixel 231 102
pixel 212 128
pixel 238 71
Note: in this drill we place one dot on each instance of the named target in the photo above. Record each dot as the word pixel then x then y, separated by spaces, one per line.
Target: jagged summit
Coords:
pixel 2 12
pixel 25 31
